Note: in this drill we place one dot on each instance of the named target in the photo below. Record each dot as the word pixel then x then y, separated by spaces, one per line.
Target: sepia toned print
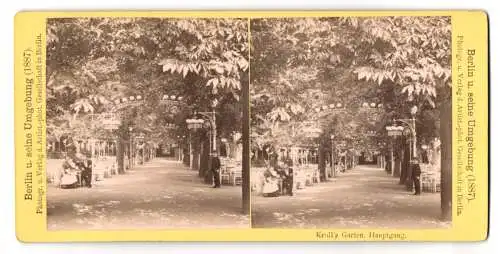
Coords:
pixel 351 122
pixel 175 125
pixel 144 123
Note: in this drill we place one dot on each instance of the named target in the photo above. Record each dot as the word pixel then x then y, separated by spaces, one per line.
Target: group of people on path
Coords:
pixel 76 170
pixel 278 177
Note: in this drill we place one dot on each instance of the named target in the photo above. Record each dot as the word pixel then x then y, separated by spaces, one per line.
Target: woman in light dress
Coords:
pixel 271 183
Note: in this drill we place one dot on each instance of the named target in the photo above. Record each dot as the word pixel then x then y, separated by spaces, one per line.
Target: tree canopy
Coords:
pixel 91 62
pixel 299 64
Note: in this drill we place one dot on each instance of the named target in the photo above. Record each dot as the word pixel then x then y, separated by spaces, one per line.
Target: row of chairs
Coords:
pixel 306 176
pixel 104 167
pixel 231 173
pixel 430 178
pixel 430 181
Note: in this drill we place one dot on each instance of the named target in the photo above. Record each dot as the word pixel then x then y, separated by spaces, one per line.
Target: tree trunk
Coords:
pixel 186 157
pixel 407 166
pixel 391 161
pixel 245 131
pixel 322 163
pixel 446 159
pixel 120 156
pixel 397 164
pixel 199 162
pixel 401 159
pixel 205 166
pixel 196 157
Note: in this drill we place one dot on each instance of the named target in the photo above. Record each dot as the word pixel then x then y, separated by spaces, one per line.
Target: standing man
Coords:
pixel 289 178
pixel 388 165
pixel 87 172
pixel 289 181
pixel 215 167
pixel 415 174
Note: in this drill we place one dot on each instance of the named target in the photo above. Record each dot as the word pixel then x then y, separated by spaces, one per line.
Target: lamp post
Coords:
pixel 410 123
pixel 398 131
pixel 393 131
pixel 193 124
pixel 209 118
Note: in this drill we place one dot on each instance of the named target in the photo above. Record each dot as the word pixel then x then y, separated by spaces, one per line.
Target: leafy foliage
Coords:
pixel 299 64
pixel 91 62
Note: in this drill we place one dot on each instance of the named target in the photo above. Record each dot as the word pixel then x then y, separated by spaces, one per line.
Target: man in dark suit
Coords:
pixel 215 167
pixel 289 181
pixel 415 175
pixel 87 173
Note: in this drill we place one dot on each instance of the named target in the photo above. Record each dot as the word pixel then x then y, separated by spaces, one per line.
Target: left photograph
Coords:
pixel 144 123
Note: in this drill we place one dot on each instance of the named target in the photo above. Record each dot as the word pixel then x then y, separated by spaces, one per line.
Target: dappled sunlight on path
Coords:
pixel 365 197
pixel 162 195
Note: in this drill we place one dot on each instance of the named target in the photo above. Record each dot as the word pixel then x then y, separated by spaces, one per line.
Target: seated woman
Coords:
pixel 70 176
pixel 271 183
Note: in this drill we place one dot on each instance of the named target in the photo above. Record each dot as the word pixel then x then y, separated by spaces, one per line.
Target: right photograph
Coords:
pixel 351 122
